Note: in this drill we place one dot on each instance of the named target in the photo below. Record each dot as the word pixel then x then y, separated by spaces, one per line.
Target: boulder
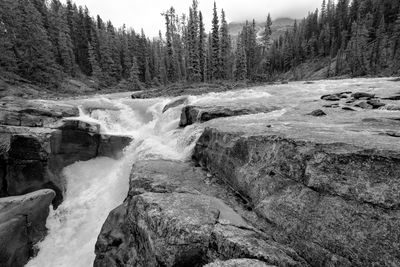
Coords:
pixel 363 105
pixel 193 114
pixel 317 113
pixel 112 146
pixel 335 199
pixel 375 103
pixel 348 109
pixel 180 101
pixel 22 225
pixel 333 97
pixel 173 218
pixel 365 96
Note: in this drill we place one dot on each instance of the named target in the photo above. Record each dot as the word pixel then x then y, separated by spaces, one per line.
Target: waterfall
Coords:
pixel 97 186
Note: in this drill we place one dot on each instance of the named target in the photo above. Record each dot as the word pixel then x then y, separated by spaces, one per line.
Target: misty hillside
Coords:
pixel 279 26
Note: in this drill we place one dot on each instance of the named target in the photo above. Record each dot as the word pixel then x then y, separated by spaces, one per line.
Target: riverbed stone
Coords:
pixel 173 218
pixel 22 225
pixel 193 114
pixel 330 194
pixel 180 101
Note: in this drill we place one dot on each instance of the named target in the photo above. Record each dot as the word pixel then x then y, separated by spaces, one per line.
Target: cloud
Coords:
pixel 146 14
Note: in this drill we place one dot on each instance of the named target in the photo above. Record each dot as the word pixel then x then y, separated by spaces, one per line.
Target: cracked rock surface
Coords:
pixel 172 217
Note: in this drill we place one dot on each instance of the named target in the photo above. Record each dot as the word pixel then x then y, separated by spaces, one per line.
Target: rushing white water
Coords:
pixel 97 186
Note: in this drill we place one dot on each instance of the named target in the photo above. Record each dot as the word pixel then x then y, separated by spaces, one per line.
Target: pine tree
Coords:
pixel 215 53
pixel 8 60
pixel 396 41
pixel 59 34
pixel 266 38
pixel 94 64
pixel 32 48
pixel 225 48
pixel 193 44
pixel 134 76
pixel 202 49
pixel 240 71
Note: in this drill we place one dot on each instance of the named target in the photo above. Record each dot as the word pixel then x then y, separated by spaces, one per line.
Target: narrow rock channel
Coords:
pixel 252 179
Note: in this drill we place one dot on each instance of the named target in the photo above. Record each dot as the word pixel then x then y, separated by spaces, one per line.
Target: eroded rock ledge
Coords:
pixel 33 158
pixel 175 216
pixel 37 140
pixel 193 114
pixel 22 223
pixel 334 203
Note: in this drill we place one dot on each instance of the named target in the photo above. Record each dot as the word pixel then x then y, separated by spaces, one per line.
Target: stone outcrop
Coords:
pixel 39 138
pixel 22 224
pixel 34 159
pixel 193 114
pixel 174 216
pixel 180 101
pixel 333 196
pixel 34 113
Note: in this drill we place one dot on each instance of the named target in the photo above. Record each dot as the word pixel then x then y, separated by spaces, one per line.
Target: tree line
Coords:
pixel 359 38
pixel 46 41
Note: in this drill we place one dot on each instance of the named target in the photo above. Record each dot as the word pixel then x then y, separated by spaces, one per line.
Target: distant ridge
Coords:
pixel 279 26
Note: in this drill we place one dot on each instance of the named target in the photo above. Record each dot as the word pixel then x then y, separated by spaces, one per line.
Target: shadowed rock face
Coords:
pixel 193 114
pixel 173 218
pixel 22 223
pixel 334 203
pixel 34 159
pixel 36 143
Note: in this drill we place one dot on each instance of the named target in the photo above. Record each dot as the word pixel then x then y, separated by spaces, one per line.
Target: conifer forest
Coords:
pixel 44 42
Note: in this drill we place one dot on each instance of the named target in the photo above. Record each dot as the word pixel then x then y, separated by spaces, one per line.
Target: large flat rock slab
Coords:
pixel 22 225
pixel 172 217
pixel 203 113
pixel 32 158
pixel 34 113
pixel 329 184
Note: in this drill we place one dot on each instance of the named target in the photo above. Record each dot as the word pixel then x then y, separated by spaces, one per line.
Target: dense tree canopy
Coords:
pixel 46 41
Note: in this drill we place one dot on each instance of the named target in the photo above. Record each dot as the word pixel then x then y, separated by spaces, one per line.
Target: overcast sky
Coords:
pixel 146 13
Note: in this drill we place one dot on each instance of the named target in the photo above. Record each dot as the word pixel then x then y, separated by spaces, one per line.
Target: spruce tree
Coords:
pixel 215 53
pixel 240 71
pixel 8 60
pixel 202 49
pixel 32 48
pixel 225 48
pixel 94 64
pixel 193 44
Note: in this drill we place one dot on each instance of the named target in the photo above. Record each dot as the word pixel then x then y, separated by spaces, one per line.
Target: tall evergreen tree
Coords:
pixel 240 71
pixel 214 45
pixel 202 48
pixel 33 49
pixel 266 37
pixel 225 49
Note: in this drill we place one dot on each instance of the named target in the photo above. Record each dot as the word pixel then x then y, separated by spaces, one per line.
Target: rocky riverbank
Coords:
pixel 290 187
pixel 287 175
pixel 37 140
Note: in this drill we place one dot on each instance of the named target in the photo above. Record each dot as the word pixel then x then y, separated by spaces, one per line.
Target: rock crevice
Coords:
pixel 187 224
pixel 337 200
